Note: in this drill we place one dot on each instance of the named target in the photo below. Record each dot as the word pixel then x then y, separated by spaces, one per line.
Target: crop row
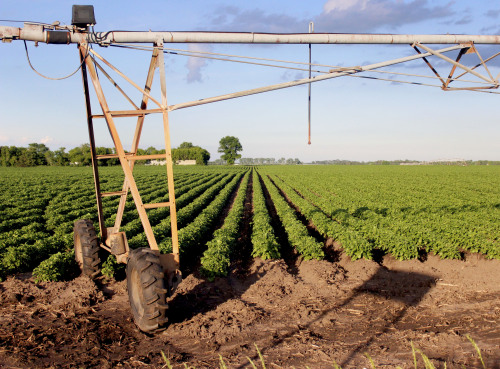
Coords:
pixel 38 211
pixel 265 244
pixel 355 246
pixel 160 217
pixel 217 257
pixel 297 233
pixel 400 211
pixel 192 235
pixel 403 211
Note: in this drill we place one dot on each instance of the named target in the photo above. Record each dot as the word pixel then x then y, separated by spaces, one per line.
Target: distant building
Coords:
pixel 186 162
pixel 157 162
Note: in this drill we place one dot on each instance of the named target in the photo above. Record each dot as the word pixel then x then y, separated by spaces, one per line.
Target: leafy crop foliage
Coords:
pixel 405 211
pixel 58 267
pixel 400 210
pixel 216 259
pixel 265 244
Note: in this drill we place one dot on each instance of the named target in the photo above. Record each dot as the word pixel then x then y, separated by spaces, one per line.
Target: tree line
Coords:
pixel 37 154
pixel 269 161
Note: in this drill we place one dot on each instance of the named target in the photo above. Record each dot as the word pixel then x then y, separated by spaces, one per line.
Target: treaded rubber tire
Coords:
pixel 147 290
pixel 86 248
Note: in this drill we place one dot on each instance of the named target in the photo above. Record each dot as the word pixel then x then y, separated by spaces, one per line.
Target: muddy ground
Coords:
pixel 300 313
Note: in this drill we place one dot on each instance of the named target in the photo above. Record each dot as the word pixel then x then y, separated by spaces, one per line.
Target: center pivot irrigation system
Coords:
pixel 152 276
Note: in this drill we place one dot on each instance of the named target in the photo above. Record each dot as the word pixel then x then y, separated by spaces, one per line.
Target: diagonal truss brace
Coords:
pixel 334 73
pixel 465 49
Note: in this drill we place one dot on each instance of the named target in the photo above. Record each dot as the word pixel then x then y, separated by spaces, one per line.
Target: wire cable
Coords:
pixel 56 78
pixel 193 54
pixel 202 53
pixel 18 21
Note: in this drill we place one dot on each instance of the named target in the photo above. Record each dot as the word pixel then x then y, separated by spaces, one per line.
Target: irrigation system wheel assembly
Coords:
pixel 86 248
pixel 147 289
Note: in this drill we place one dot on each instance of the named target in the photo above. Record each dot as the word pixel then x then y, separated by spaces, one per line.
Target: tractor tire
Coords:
pixel 147 290
pixel 86 248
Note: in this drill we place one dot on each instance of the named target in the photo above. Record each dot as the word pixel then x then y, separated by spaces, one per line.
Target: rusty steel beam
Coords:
pixel 137 136
pixel 169 164
pixel 129 113
pixel 93 154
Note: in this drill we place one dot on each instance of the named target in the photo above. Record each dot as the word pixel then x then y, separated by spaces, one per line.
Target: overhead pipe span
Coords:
pixel 39 33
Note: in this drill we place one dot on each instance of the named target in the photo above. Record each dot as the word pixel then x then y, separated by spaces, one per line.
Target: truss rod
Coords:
pixel 125 77
pixel 478 65
pixel 471 71
pixel 194 55
pixel 333 74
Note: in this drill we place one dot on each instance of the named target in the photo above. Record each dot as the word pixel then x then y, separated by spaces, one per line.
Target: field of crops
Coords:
pixel 368 211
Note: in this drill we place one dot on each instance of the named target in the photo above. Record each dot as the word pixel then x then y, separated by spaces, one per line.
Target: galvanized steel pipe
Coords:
pixel 35 32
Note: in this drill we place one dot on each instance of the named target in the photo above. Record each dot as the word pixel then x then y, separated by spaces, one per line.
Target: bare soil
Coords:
pixel 310 314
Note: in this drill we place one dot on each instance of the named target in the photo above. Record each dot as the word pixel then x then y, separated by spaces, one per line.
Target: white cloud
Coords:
pixel 45 140
pixel 195 64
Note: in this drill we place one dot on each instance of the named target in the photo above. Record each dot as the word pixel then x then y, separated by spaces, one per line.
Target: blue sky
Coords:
pixel 352 118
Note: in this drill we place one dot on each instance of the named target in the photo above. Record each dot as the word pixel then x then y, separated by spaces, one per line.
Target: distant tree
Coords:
pixel 60 157
pixel 80 155
pixel 185 145
pixel 9 155
pixel 151 151
pixel 34 155
pixel 219 162
pixel 230 146
pixel 106 151
pixel 187 151
pixel 247 161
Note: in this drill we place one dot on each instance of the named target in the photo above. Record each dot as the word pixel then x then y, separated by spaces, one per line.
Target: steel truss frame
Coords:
pixel 112 239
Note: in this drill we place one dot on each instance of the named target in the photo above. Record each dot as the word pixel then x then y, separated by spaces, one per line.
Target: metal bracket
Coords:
pixel 170 265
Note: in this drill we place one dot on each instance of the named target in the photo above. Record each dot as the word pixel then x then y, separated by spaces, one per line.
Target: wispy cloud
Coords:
pixel 492 13
pixel 339 16
pixel 371 15
pixel 195 65
pixel 336 16
pixel 45 140
pixel 230 18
